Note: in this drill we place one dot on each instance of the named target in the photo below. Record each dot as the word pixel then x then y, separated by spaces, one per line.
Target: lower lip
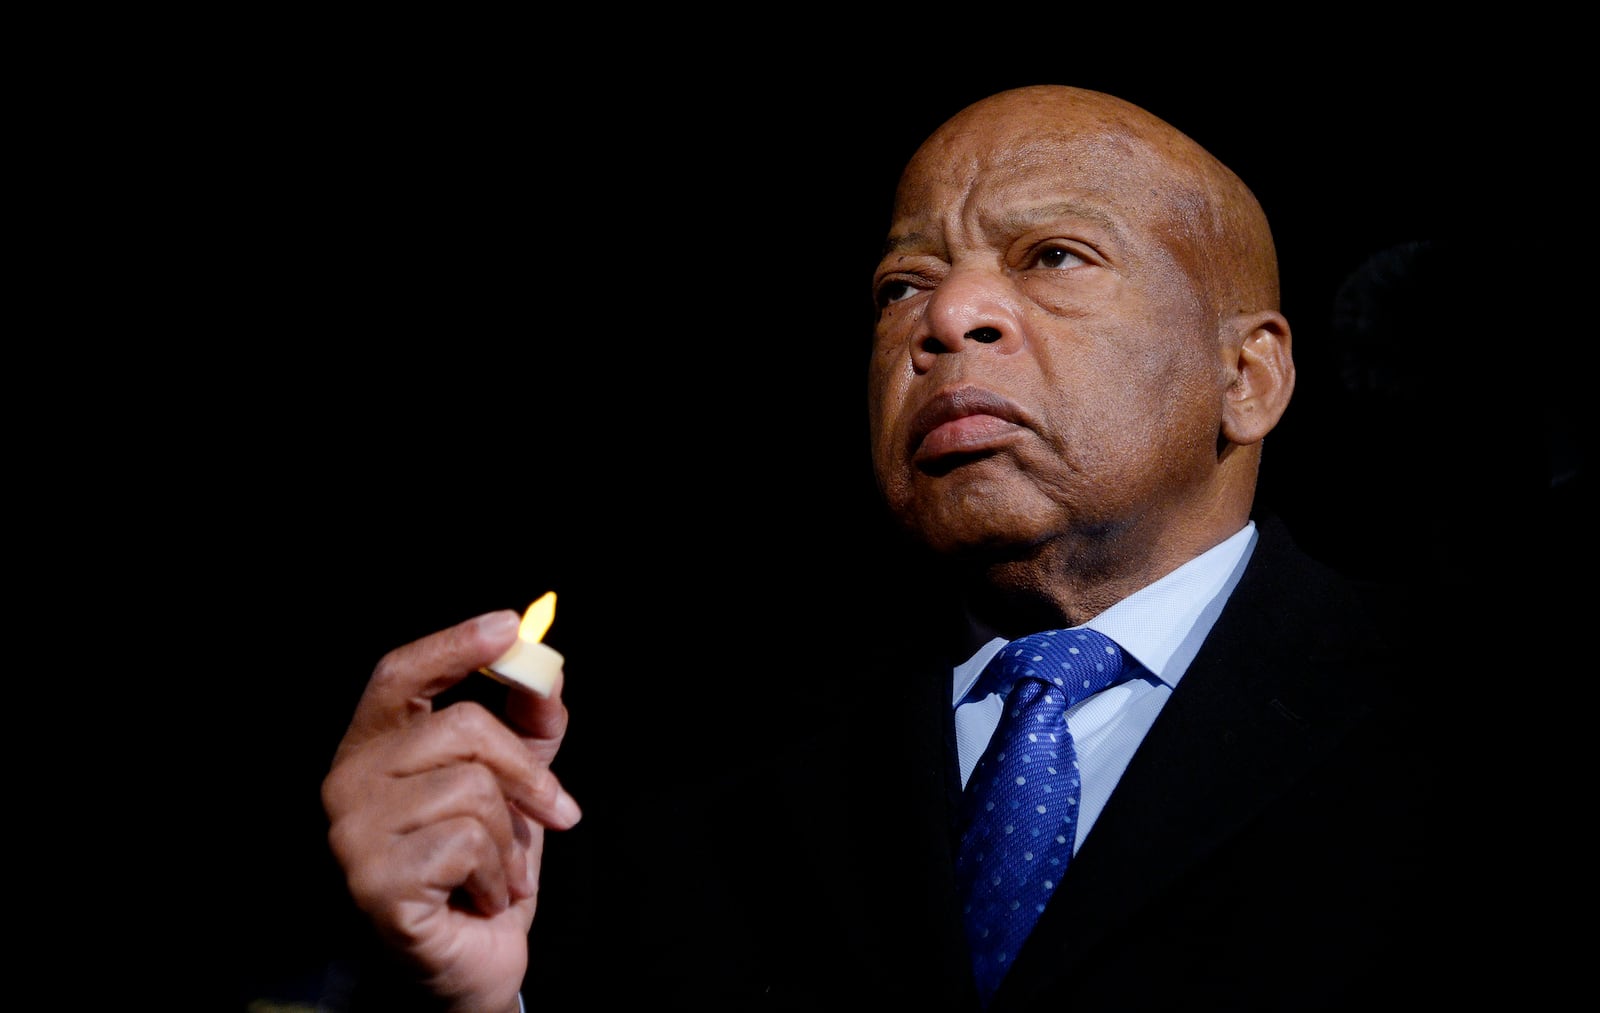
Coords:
pixel 966 435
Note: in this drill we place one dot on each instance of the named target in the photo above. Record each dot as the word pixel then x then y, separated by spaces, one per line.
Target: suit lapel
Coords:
pixel 1262 702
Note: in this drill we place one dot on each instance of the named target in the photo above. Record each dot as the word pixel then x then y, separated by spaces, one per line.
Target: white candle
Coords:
pixel 529 663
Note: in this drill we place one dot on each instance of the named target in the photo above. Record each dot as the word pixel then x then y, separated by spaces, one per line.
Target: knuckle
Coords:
pixel 339 841
pixel 459 838
pixel 339 787
pixel 480 789
pixel 368 882
pixel 388 669
pixel 469 720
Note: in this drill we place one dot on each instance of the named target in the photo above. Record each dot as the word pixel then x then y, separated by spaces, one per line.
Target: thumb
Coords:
pixel 406 680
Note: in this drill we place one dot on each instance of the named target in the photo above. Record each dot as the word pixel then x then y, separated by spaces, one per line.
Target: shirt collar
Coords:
pixel 1162 624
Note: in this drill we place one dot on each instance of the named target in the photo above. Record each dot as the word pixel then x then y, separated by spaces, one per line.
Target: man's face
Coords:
pixel 1045 364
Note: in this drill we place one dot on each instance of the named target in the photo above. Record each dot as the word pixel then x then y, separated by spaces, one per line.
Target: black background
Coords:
pixel 528 317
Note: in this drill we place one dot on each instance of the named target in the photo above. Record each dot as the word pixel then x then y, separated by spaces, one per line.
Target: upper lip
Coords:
pixel 957 403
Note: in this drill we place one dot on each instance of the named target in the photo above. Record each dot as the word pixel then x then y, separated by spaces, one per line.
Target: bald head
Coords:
pixel 1217 227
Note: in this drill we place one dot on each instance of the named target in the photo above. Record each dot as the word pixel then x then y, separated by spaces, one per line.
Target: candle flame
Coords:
pixel 536 621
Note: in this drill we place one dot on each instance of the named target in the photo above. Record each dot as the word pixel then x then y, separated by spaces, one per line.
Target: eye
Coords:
pixel 893 291
pixel 1058 258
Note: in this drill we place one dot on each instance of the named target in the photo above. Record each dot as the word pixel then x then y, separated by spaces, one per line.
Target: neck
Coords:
pixel 1065 583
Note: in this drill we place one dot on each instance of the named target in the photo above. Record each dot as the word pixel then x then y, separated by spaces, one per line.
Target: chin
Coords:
pixel 976 534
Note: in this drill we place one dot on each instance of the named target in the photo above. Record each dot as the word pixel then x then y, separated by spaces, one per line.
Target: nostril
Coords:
pixel 987 335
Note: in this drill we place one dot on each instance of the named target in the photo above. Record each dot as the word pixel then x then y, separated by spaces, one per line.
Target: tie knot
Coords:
pixel 1079 662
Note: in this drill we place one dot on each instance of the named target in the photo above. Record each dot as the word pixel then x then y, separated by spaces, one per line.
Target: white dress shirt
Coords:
pixel 1161 627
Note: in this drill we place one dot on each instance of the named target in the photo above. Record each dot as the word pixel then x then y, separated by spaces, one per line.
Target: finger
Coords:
pixel 467 733
pixel 407 679
pixel 522 875
pixel 471 792
pixel 390 808
pixel 461 791
pixel 432 864
pixel 542 720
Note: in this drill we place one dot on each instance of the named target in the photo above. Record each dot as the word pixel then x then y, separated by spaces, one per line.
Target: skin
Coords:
pixel 428 806
pixel 1077 356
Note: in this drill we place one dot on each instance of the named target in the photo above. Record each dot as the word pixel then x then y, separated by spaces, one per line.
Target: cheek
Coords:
pixel 1172 417
pixel 1129 407
pixel 886 398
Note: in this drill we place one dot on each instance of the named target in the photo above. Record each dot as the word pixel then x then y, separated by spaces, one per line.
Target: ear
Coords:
pixel 1257 352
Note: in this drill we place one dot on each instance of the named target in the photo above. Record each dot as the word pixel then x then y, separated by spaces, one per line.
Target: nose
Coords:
pixel 971 307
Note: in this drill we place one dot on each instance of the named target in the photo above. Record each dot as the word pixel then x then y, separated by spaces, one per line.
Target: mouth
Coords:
pixel 961 424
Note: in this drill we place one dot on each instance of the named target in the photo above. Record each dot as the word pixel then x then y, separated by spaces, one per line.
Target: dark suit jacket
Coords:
pixel 1275 844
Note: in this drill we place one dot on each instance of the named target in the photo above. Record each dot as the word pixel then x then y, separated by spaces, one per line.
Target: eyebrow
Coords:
pixel 900 244
pixel 1014 220
pixel 1022 219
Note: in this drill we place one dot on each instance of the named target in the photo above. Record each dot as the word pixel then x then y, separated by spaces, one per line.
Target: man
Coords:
pixel 1077 358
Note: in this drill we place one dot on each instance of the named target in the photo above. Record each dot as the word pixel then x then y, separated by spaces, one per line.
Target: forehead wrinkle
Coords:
pixel 1012 221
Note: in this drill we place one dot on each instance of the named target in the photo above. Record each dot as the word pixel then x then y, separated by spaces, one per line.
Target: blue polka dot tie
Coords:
pixel 1019 813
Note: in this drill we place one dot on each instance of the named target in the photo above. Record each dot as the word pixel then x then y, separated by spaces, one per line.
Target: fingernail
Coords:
pixel 567 808
pixel 497 624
